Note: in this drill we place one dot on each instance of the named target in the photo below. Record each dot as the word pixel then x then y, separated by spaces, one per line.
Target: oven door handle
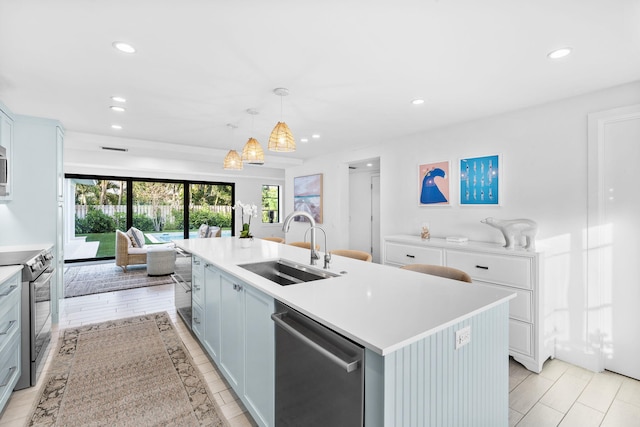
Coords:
pixel 11 288
pixel 43 278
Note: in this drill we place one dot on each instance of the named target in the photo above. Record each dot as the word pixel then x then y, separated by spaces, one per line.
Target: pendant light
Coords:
pixel 252 152
pixel 281 138
pixel 233 159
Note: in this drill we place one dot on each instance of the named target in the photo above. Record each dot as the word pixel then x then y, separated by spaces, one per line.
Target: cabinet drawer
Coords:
pixel 9 369
pixel 520 337
pixel 513 271
pixel 197 321
pixel 9 315
pixel 5 287
pixel 406 254
pixel 520 307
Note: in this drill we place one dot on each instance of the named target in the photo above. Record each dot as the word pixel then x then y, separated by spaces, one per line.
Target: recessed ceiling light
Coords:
pixel 118 99
pixel 315 136
pixel 304 139
pixel 124 47
pixel 116 127
pixel 117 108
pixel 559 53
pixel 417 101
pixel 369 164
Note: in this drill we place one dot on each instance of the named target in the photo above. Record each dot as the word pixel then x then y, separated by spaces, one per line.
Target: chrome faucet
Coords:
pixel 327 255
pixel 287 224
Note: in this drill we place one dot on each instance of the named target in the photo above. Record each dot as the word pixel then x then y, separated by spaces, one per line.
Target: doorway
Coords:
pixel 614 233
pixel 364 207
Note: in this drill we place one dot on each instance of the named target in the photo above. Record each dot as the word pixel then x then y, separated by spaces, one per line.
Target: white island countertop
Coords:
pixel 382 308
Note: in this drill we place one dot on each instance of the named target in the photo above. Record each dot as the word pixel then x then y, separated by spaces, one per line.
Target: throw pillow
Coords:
pixel 137 237
pixel 203 231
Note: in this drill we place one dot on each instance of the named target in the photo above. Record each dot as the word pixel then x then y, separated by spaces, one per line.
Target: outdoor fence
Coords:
pixel 148 210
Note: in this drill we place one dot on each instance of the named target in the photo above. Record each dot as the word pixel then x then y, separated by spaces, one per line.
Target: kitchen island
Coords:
pixel 407 323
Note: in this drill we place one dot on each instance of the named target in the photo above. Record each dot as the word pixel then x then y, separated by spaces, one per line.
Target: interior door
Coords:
pixel 375 218
pixel 618 211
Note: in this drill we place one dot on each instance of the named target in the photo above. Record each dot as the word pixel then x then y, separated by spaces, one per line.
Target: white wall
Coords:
pixel 544 178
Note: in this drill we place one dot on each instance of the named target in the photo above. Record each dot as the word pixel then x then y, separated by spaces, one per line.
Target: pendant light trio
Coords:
pixel 281 139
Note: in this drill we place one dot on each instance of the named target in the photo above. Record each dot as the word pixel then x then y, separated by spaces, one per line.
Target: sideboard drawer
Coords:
pixel 521 306
pixel 513 271
pixel 520 337
pixel 404 254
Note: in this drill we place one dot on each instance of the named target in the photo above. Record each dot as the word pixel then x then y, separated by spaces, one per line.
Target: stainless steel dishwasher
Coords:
pixel 319 373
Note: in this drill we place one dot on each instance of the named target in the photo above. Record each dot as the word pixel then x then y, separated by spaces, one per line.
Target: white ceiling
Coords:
pixel 352 67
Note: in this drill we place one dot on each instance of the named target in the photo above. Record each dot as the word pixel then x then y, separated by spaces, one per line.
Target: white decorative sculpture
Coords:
pixel 514 230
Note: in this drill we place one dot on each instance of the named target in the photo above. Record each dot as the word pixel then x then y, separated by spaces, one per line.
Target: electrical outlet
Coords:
pixel 463 336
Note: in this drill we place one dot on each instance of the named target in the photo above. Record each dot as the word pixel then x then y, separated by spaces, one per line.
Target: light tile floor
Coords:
pixel 561 395
pixel 115 305
pixel 568 396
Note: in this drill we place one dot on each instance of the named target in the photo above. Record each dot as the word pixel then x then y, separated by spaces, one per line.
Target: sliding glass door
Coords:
pixel 158 210
pixel 163 210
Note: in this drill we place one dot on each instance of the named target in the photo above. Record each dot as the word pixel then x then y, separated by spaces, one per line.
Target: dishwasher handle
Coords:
pixel 349 366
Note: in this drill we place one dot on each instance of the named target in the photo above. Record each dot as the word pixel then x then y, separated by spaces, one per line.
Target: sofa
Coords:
pixel 131 248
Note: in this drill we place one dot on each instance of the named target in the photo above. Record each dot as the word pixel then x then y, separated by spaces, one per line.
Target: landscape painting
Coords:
pixel 307 196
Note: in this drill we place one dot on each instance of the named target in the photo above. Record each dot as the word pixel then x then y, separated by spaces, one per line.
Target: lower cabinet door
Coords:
pixel 197 320
pixel 212 312
pixel 232 331
pixel 520 337
pixel 259 383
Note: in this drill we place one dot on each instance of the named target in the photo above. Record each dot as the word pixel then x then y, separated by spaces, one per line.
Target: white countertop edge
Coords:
pixel 8 271
pixel 27 247
pixel 388 350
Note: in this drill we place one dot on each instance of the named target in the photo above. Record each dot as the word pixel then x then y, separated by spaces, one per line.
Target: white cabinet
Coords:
pixel 212 310
pixel 232 331
pixel 10 366
pixel 238 335
pixel 197 297
pixel 531 341
pixel 259 350
pixel 6 141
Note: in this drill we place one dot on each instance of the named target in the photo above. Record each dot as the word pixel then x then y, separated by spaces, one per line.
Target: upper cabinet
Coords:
pixel 6 141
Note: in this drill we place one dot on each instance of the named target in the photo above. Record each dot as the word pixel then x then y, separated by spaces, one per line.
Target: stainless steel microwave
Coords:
pixel 4 171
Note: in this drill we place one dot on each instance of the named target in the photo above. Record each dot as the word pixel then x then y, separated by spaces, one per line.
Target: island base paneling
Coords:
pixel 429 383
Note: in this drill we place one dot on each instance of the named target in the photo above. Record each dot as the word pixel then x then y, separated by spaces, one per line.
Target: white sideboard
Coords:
pixel 531 340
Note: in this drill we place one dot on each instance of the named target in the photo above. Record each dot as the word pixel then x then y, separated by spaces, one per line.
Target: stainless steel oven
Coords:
pixel 182 286
pixel 35 317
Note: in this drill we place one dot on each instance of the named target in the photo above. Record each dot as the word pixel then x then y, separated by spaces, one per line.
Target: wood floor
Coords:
pixel 561 395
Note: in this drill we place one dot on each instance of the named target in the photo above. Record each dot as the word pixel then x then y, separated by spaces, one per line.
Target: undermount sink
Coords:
pixel 285 272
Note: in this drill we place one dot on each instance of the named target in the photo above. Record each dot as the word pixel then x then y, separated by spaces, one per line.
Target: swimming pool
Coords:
pixel 177 235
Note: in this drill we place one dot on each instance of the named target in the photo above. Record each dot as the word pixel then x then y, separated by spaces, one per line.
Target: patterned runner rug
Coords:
pixel 98 278
pixel 128 372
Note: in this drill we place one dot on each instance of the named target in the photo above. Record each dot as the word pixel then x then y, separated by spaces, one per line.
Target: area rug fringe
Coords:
pixel 127 372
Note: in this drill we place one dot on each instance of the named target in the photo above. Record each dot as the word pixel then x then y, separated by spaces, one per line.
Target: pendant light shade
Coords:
pixel 281 139
pixel 233 160
pixel 252 152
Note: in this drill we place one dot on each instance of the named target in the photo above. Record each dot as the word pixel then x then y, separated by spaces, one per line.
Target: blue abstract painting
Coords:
pixel 480 180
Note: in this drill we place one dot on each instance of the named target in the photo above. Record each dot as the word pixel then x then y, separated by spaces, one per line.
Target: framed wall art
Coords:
pixel 434 184
pixel 480 180
pixel 307 196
